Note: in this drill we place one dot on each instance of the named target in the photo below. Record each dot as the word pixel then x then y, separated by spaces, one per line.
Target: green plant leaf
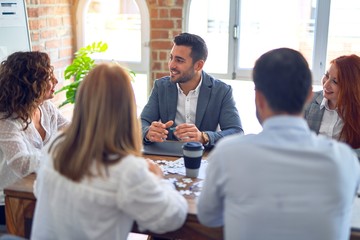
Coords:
pixel 80 66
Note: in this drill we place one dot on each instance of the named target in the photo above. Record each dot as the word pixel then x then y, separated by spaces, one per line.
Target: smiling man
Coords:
pixel 189 105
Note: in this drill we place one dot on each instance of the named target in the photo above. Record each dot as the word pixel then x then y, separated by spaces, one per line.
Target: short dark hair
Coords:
pixel 198 46
pixel 284 78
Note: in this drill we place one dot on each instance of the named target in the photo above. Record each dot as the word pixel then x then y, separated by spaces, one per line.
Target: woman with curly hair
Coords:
pixel 335 111
pixel 27 118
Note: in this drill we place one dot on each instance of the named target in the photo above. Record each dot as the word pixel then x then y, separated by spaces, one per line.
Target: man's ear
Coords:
pixel 199 65
pixel 259 100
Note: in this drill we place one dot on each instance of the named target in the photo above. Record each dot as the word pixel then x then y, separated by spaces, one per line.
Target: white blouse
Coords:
pixel 331 124
pixel 105 208
pixel 20 151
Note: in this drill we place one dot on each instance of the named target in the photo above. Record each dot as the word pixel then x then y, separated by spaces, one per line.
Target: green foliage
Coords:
pixel 80 66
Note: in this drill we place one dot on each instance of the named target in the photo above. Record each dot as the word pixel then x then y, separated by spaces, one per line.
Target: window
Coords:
pixel 124 26
pixel 344 31
pixel 213 25
pixel 238 32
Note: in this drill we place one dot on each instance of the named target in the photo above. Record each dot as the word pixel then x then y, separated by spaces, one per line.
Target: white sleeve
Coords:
pixel 61 121
pixel 210 205
pixel 153 203
pixel 20 155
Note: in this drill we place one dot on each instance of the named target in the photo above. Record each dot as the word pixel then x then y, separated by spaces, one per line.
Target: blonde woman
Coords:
pixel 95 183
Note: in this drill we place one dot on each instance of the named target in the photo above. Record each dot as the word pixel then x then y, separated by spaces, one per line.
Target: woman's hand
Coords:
pixel 155 168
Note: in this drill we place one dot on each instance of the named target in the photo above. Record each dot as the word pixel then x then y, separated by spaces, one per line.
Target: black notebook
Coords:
pixel 167 148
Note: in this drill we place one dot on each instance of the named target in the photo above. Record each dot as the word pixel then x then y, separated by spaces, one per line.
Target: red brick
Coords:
pixel 54 21
pixel 159 34
pixel 32 2
pixel 154 13
pixel 52 44
pixel 155 65
pixel 62 63
pixel 164 13
pixel 66 53
pixel 161 45
pixel 164 65
pixel 37 47
pixel 67 42
pixel 44 11
pixel 33 12
pixel 176 13
pixel 175 33
pixel 33 24
pixel 47 1
pixel 152 2
pixel 162 24
pixel 164 55
pixel 48 34
pixel 42 23
pixel 62 10
pixel 154 56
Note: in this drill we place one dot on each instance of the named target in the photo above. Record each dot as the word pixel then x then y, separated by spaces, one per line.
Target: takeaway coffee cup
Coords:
pixel 192 154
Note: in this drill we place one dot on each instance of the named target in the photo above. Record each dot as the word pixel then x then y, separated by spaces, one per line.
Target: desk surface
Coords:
pixel 20 204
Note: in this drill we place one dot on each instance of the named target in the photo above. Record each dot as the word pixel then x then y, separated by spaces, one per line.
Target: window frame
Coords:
pixel 319 53
pixel 141 67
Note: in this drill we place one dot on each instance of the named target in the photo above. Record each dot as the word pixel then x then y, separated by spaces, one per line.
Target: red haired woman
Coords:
pixel 335 111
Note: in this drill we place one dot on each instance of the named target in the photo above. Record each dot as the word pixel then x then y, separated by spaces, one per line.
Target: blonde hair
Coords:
pixel 104 125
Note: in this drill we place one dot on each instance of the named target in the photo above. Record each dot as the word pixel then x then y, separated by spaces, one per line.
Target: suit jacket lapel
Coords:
pixel 203 99
pixel 316 113
pixel 172 100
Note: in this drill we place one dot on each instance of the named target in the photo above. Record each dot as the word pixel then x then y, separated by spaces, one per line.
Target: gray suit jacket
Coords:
pixel 215 107
pixel 313 115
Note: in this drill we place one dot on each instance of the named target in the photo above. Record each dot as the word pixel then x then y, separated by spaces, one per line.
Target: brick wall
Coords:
pixel 51 30
pixel 166 21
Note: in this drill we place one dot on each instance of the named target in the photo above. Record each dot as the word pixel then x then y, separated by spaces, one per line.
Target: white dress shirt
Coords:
pixel 105 208
pixel 283 183
pixel 331 124
pixel 186 105
pixel 20 151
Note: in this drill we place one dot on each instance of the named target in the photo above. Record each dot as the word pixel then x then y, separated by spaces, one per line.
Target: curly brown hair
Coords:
pixel 24 80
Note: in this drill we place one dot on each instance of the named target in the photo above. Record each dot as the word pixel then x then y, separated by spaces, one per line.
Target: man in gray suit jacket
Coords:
pixel 189 105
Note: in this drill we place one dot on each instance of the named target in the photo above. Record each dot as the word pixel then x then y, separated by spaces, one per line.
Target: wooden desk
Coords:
pixel 20 205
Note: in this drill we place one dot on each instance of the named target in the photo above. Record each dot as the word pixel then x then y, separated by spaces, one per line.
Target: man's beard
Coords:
pixel 183 78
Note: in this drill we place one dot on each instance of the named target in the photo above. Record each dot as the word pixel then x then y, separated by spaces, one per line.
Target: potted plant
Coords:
pixel 80 66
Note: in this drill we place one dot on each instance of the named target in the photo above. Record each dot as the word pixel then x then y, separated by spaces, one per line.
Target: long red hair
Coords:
pixel 349 97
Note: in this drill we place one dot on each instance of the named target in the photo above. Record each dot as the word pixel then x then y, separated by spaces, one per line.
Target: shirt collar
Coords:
pixel 325 104
pixel 196 90
pixel 286 121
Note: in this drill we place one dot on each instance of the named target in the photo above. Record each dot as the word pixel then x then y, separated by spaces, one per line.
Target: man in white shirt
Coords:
pixel 285 182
